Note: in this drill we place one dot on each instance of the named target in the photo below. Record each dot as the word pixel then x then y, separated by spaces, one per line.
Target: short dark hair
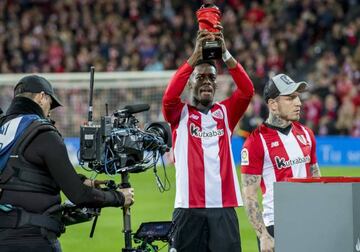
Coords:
pixel 27 95
pixel 202 61
pixel 18 91
pixel 270 91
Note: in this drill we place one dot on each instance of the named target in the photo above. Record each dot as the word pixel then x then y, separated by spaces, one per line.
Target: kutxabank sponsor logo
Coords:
pixel 196 132
pixel 281 163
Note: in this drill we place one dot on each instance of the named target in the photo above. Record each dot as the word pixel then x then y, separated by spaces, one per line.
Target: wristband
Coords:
pixel 226 56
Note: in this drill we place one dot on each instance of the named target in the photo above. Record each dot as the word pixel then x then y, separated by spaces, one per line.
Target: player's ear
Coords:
pixel 273 105
pixel 191 81
pixel 189 85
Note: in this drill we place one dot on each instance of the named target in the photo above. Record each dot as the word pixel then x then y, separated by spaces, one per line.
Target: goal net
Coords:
pixel 114 89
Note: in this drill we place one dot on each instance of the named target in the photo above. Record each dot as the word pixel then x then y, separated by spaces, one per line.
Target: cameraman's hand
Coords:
pixel 128 195
pixel 202 35
pixel 94 183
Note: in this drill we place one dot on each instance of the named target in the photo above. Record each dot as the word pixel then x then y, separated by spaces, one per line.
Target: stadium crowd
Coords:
pixel 315 40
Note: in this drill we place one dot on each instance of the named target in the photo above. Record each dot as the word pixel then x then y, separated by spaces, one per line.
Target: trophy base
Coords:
pixel 211 50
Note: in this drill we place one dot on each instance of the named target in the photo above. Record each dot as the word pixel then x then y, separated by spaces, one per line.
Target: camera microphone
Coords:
pixel 132 109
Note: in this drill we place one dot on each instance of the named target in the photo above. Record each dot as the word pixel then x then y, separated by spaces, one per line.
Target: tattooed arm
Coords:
pixel 315 170
pixel 250 185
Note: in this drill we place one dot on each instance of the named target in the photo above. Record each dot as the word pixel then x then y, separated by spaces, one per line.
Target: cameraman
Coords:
pixel 207 189
pixel 34 167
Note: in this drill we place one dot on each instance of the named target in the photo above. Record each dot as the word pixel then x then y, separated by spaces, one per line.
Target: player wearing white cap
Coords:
pixel 280 148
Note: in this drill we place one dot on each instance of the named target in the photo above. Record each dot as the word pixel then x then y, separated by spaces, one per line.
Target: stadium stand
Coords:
pixel 314 40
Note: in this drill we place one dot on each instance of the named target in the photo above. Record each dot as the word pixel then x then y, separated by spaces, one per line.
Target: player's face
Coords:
pixel 289 106
pixel 204 83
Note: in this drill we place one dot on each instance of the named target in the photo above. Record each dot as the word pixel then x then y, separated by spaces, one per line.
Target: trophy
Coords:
pixel 209 15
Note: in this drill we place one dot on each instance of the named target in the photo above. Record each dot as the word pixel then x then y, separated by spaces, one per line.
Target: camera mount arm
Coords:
pixel 126 214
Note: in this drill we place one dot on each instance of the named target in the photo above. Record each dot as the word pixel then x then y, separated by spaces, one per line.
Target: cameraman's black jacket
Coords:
pixel 47 156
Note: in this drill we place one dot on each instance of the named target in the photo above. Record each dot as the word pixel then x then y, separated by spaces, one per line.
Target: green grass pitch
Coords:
pixel 151 205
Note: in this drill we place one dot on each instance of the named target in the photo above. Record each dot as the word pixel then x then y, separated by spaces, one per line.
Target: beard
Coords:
pixel 205 102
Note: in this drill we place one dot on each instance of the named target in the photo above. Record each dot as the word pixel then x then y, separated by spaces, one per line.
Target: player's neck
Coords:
pixel 277 121
pixel 204 108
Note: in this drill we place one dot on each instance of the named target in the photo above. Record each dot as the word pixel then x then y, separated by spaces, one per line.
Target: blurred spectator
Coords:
pixel 345 121
pixel 312 110
pixel 329 115
pixel 313 40
pixel 253 116
pixel 356 126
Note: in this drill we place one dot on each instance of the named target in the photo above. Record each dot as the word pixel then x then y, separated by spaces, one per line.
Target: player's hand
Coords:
pixel 129 196
pixel 219 36
pixel 267 243
pixel 202 36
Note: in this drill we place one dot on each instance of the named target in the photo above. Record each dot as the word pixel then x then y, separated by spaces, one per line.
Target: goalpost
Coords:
pixel 117 89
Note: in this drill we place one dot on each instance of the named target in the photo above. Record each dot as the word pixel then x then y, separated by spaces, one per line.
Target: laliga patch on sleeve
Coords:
pixel 244 157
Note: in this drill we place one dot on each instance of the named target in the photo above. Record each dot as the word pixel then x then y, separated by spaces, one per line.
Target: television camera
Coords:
pixel 118 146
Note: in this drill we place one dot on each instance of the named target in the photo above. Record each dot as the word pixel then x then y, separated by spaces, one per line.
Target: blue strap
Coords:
pixel 10 132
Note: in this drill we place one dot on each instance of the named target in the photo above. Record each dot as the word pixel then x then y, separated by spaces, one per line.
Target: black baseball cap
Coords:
pixel 282 84
pixel 37 84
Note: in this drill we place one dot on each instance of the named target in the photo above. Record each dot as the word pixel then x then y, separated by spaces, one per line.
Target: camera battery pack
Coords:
pixel 90 147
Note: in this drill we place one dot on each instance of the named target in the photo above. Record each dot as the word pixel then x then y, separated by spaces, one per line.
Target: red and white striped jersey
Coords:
pixel 205 170
pixel 277 156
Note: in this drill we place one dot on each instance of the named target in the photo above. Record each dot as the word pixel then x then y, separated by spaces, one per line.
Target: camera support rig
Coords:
pixel 127 217
pixel 118 147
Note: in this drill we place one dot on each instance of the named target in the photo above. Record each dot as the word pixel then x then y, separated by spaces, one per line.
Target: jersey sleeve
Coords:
pixel 238 102
pixel 171 102
pixel 313 156
pixel 252 156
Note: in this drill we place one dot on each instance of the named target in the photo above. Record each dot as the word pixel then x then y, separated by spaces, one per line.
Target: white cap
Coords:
pixel 286 85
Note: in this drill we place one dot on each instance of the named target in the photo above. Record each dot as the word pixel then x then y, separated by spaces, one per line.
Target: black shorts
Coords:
pixel 204 230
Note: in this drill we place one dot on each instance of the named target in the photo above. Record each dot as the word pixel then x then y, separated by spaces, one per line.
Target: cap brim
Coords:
pixel 297 87
pixel 55 102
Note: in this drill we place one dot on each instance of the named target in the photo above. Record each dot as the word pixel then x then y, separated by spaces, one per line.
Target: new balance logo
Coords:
pixel 195 117
pixel 274 144
pixel 196 132
pixel 281 163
